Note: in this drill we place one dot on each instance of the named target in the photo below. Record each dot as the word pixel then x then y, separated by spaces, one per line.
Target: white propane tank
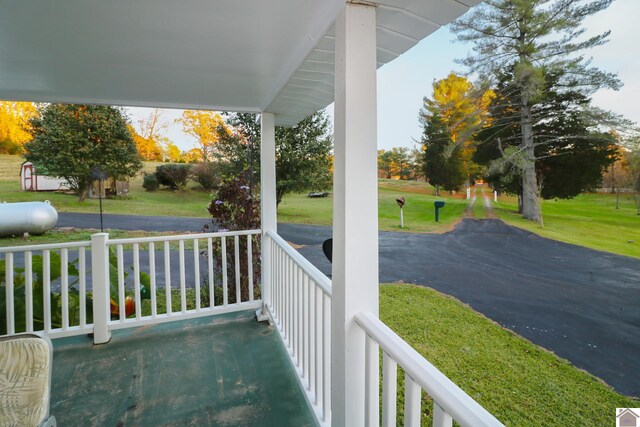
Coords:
pixel 27 217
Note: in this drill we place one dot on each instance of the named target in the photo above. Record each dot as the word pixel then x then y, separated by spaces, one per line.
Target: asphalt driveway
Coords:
pixel 580 303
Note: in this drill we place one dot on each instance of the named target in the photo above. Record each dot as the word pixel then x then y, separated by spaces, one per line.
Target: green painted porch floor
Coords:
pixel 227 370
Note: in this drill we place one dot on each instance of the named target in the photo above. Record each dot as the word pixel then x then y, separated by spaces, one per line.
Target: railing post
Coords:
pixel 100 287
pixel 268 208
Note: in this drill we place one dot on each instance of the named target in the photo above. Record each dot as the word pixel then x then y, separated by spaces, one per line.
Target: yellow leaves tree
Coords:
pixel 15 129
pixel 205 126
pixel 462 110
pixel 173 153
pixel 147 148
pixel 148 136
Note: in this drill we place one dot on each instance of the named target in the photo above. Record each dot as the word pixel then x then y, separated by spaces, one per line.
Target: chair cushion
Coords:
pixel 24 381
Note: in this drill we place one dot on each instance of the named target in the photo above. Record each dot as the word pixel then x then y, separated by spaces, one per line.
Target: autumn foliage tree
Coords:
pixel 451 118
pixel 15 127
pixel 148 136
pixel 204 126
pixel 72 141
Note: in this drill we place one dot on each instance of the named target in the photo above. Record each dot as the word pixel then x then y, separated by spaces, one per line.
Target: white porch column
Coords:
pixel 355 209
pixel 268 213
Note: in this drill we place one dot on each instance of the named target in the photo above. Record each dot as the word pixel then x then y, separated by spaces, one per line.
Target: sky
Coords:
pixel 404 82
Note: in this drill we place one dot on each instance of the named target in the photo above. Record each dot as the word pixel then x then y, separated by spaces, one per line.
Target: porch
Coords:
pixel 283 60
pixel 226 370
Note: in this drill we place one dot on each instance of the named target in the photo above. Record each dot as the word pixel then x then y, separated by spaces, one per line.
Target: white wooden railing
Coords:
pixel 449 401
pixel 300 307
pixel 41 269
pixel 190 249
pixel 31 267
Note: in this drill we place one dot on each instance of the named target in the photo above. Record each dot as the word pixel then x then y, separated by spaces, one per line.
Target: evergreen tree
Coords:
pixel 571 154
pixel 533 38
pixel 442 159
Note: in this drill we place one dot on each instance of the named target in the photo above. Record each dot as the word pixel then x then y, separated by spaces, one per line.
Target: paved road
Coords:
pixel 580 303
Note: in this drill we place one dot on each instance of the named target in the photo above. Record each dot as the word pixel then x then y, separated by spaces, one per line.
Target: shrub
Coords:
pixel 206 174
pixel 235 208
pixel 150 182
pixel 173 175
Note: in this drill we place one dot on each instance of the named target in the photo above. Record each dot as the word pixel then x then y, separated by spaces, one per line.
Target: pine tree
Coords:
pixel 534 38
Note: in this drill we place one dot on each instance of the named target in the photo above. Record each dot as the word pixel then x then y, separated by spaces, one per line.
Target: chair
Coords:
pixel 25 381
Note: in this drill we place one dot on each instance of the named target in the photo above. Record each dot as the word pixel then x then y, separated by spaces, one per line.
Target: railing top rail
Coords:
pixel 44 247
pixel 448 395
pixel 182 237
pixel 316 275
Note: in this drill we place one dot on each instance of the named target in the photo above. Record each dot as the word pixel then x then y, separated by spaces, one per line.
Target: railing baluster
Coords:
pixel 313 316
pixel 210 265
pixel 82 285
pixel 167 277
pixel 411 402
pixel 318 346
pixel 121 297
pixel 225 284
pixel 326 347
pixel 152 279
pixel 183 286
pixel 196 268
pixel 305 327
pixel 389 390
pixel 295 309
pixel 9 293
pixel 280 283
pixel 136 280
pixel 372 382
pixel 440 417
pixel 64 287
pixel 28 289
pixel 46 289
pixel 298 303
pixel 236 262
pixel 250 266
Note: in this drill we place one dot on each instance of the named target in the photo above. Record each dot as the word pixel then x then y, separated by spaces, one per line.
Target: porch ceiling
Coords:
pixel 241 55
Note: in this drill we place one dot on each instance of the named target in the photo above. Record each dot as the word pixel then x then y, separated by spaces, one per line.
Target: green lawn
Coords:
pixel 297 208
pixel 589 220
pixel 418 211
pixel 520 383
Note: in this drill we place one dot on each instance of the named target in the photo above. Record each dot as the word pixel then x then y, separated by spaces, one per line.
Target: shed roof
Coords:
pixel 240 55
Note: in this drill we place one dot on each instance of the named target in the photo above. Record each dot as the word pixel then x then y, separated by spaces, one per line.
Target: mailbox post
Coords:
pixel 438 204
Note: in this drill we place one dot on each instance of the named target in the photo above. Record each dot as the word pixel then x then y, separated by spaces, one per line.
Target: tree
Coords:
pixel 442 158
pixel 450 119
pixel 147 148
pixel 173 154
pixel 532 38
pixel 571 153
pixel 395 163
pixel 203 125
pixel 15 125
pixel 72 141
pixel 303 152
pixel 238 147
pixel 303 156
pixel 384 162
pixel 149 137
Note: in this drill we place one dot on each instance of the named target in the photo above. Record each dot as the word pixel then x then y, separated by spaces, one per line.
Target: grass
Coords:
pixel 517 381
pixel 418 211
pixel 297 208
pixel 589 220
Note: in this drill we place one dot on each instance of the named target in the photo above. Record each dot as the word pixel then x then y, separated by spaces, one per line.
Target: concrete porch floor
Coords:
pixel 227 370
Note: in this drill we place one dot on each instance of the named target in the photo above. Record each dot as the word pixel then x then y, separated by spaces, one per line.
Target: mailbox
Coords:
pixel 438 204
